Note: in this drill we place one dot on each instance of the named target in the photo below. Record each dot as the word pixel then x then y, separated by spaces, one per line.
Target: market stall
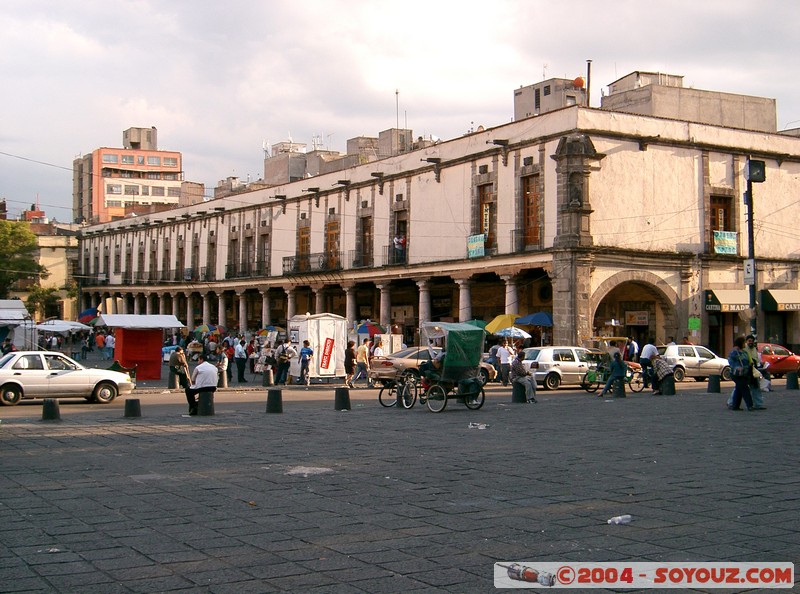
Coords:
pixel 139 340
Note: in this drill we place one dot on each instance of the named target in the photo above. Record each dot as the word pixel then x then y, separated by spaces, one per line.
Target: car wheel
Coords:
pixel 552 381
pixel 678 373
pixel 726 374
pixel 105 392
pixel 10 395
pixel 483 376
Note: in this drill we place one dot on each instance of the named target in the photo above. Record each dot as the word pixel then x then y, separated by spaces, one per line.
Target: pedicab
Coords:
pixel 453 374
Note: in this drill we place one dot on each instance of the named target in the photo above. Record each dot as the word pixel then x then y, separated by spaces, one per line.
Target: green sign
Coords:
pixel 475 245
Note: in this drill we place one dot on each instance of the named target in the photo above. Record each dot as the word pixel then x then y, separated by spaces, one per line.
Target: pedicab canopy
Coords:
pixel 463 344
pixel 138 340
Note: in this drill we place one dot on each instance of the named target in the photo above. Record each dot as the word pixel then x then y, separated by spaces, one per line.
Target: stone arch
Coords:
pixel 666 297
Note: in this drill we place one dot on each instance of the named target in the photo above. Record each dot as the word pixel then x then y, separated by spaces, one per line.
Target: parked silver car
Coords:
pixel 44 374
pixel 553 366
pixel 689 360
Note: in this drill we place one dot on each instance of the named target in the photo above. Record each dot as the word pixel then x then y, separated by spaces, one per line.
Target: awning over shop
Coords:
pixel 780 300
pixel 727 300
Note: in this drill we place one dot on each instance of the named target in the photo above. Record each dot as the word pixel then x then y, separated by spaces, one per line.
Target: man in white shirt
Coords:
pixel 649 352
pixel 110 344
pixel 240 356
pixel 204 379
pixel 505 354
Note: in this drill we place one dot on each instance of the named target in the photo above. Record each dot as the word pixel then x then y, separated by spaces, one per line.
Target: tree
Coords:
pixel 44 300
pixel 18 250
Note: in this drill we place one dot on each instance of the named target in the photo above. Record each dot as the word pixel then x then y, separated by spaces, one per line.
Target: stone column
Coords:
pixel 512 298
pixel 221 309
pixel 464 299
pixel 319 300
pixel 189 311
pixel 424 301
pixel 351 306
pixel 291 304
pixel 162 304
pixel 175 304
pixel 242 312
pixel 266 315
pixel 114 308
pixel 386 305
pixel 206 308
pixel 148 304
pixel 136 304
pixel 124 299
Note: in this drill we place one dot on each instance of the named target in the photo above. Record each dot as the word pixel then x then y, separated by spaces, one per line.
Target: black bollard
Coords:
pixel 791 381
pixel 518 394
pixel 618 388
pixel 667 385
pixel 133 407
pixel 173 380
pixel 50 410
pixel 713 384
pixel 274 401
pixel 205 404
pixel 268 379
pixel 222 382
pixel 342 399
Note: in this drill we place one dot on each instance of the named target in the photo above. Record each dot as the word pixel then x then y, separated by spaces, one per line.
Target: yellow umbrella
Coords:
pixel 500 322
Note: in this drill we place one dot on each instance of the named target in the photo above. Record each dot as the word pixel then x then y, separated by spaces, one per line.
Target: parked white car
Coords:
pixel 553 366
pixel 694 361
pixel 44 374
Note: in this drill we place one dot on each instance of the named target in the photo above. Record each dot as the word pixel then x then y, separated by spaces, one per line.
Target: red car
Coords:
pixel 781 360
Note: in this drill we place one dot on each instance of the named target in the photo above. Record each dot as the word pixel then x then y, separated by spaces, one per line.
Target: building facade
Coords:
pixel 600 217
pixel 110 183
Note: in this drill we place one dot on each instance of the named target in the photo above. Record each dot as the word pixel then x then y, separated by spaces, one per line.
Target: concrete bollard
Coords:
pixel 50 410
pixel 342 399
pixel 667 385
pixel 274 401
pixel 618 388
pixel 268 379
pixel 133 407
pixel 713 384
pixel 791 381
pixel 518 394
pixel 173 381
pixel 205 404
pixel 223 381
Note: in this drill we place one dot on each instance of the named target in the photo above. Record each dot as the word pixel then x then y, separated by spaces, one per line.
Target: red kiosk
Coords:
pixel 139 339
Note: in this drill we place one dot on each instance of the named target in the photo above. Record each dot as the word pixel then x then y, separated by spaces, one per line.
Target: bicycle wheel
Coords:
pixel 589 382
pixel 388 395
pixel 475 401
pixel 437 398
pixel 637 381
pixel 408 391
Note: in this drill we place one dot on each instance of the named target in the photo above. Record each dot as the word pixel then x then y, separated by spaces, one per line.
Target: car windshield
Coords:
pixel 662 350
pixel 776 350
pixel 404 354
pixel 532 354
pixel 6 358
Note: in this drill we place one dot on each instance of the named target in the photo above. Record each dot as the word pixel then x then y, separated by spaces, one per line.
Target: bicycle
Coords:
pixel 406 385
pixel 594 379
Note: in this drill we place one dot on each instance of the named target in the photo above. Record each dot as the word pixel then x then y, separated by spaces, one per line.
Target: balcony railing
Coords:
pixel 359 259
pixel 393 256
pixel 258 268
pixel 320 262
pixel 207 273
pixel 522 241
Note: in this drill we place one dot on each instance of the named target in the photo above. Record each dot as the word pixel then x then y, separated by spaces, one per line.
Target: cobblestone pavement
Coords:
pixel 381 500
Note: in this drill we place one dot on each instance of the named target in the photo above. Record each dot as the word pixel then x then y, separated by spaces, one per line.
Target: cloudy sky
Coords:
pixel 219 78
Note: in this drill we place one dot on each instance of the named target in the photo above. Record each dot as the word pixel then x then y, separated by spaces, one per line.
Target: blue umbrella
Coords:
pixel 512 332
pixel 540 318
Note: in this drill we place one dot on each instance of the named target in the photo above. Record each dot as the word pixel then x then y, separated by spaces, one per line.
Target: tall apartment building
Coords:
pixel 111 183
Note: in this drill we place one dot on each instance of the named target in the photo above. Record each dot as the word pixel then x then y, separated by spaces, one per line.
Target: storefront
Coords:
pixel 728 312
pixel 780 307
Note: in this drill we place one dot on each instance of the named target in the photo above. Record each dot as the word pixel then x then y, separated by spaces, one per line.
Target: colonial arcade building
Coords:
pixel 593 215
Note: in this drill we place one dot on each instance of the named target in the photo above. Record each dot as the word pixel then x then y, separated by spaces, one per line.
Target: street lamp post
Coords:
pixel 755 173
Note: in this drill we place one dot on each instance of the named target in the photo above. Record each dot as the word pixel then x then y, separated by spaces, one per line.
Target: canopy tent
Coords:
pixel 500 322
pixel 62 327
pixel 140 322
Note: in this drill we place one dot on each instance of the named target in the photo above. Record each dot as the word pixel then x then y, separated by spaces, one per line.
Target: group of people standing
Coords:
pixel 745 361
pixel 357 360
